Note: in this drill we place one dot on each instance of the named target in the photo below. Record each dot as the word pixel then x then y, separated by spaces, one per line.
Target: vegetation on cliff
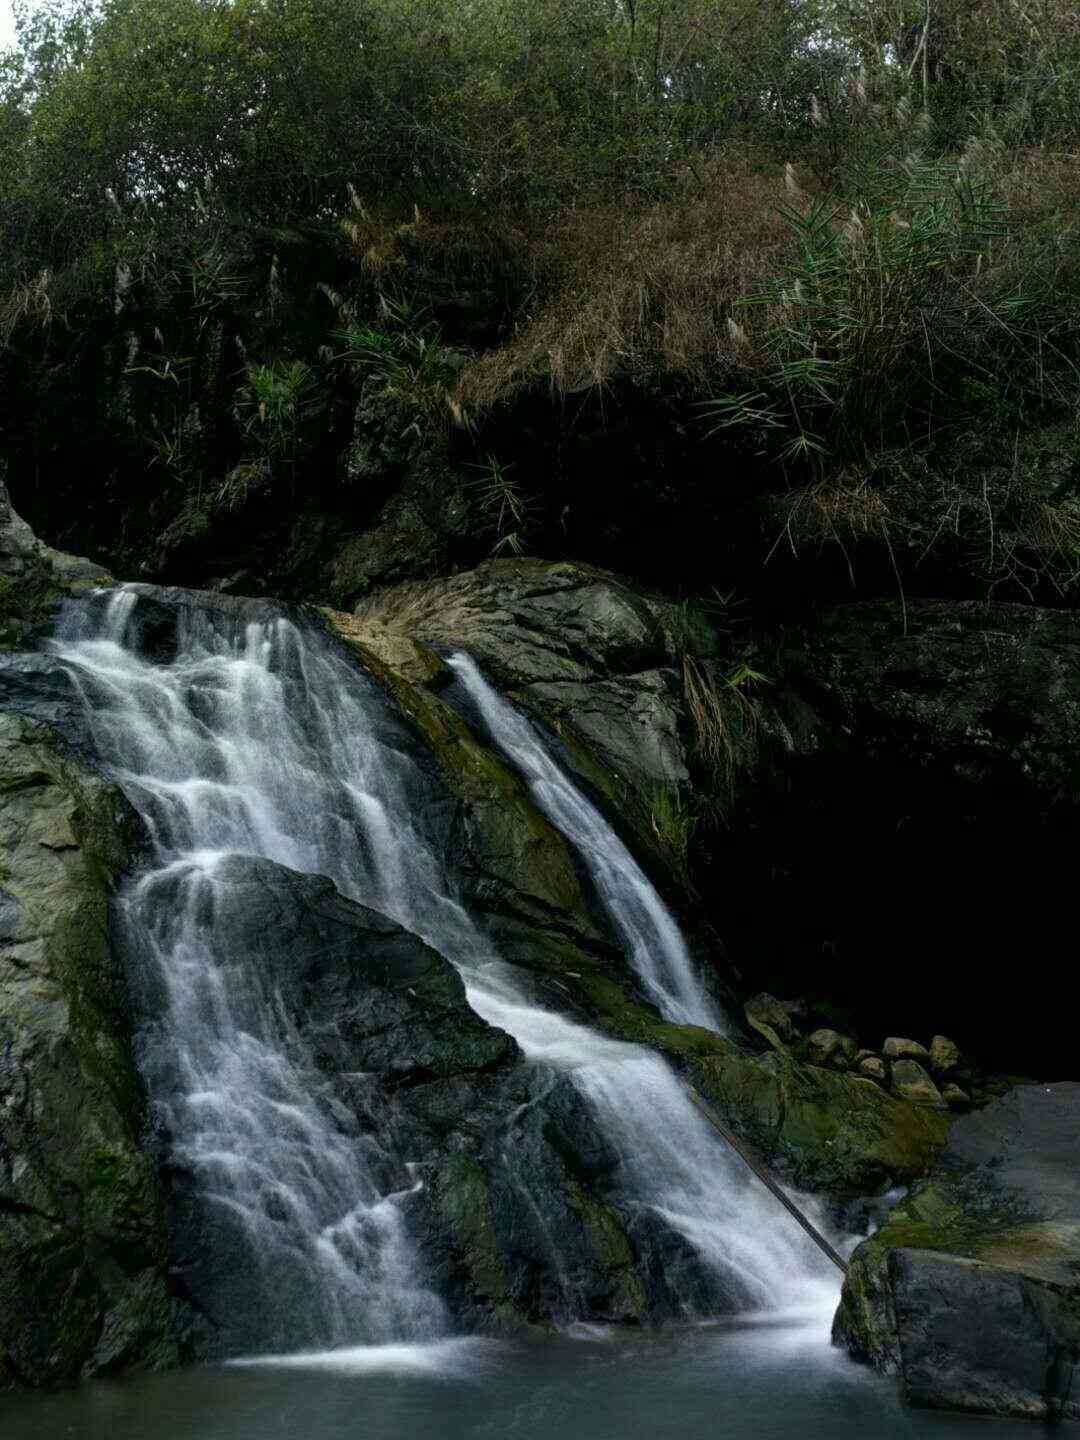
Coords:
pixel 816 241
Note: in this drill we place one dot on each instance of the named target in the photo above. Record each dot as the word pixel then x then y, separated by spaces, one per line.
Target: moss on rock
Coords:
pixel 81 1211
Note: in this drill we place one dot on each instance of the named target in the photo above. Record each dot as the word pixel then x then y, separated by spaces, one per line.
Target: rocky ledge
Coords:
pixel 970 1292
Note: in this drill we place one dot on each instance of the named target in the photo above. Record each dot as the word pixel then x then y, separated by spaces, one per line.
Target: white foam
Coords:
pixel 454 1359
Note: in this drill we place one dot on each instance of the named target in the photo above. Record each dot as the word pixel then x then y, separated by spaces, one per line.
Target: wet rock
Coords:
pixel 510 1154
pixel 954 1095
pixel 911 1082
pixel 828 1047
pixel 824 1128
pixel 573 643
pixel 772 1019
pixel 899 1049
pixel 83 1254
pixel 873 1067
pixel 944 1055
pixel 970 1291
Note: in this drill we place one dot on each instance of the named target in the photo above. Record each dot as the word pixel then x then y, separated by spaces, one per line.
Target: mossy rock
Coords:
pixel 970 1289
pixel 81 1211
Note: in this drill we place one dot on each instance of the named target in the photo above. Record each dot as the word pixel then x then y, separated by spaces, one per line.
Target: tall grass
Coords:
pixel 893 311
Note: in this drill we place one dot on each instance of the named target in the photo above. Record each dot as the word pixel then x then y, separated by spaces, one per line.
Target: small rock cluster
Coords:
pixel 911 1071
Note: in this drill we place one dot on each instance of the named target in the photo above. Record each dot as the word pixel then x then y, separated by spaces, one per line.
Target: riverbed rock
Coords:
pixel 970 1292
pixel 911 1082
pixel 896 1048
pixel 83 1251
pixel 954 1095
pixel 944 1055
pixel 772 1019
pixel 829 1047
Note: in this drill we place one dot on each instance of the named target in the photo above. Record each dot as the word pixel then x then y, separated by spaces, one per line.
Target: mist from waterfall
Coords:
pixel 255 735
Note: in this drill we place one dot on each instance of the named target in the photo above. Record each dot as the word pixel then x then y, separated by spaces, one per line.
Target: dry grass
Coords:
pixel 708 707
pixel 428 611
pixel 837 508
pixel 628 287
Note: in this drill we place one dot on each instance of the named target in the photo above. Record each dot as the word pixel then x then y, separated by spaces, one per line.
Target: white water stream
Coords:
pixel 260 738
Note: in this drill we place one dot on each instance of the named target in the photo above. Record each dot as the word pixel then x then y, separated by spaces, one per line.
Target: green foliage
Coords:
pixel 275 405
pixel 188 190
pixel 502 509
pixel 410 365
pixel 888 314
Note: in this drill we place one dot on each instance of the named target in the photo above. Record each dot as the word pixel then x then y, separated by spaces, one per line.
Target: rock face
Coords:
pixel 989 691
pixel 565 640
pixel 942 763
pixel 33 576
pixel 83 1253
pixel 823 1128
pixel 971 1290
pixel 508 1154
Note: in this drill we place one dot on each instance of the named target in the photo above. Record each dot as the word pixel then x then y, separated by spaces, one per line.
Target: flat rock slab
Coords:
pixel 970 1292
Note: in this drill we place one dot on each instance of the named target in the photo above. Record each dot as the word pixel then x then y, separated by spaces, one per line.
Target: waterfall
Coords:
pixel 672 1158
pixel 249 734
pixel 654 945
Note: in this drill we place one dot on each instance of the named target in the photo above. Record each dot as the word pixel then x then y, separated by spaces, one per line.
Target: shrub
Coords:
pixel 406 361
pixel 274 405
pixel 892 312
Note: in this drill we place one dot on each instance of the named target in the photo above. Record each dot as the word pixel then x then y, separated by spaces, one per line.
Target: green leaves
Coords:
pixel 408 363
pixel 892 299
pixel 503 511
pixel 274 405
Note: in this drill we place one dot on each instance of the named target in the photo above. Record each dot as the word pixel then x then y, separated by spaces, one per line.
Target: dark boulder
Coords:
pixel 970 1292
pixel 517 1219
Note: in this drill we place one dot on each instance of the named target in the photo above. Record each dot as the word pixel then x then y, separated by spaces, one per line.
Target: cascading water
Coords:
pixel 674 1161
pixel 654 946
pixel 259 738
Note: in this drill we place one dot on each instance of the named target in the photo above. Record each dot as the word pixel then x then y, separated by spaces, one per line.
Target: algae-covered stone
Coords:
pixel 944 1055
pixel 970 1291
pixel 772 1019
pixel 825 1129
pixel 83 1261
pixel 829 1047
pixel 911 1082
pixel 897 1048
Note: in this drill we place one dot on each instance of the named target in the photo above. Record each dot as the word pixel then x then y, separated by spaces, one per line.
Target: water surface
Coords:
pixel 766 1381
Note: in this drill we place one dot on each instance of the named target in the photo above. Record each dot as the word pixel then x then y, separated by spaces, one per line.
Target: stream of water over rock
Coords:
pixel 246 732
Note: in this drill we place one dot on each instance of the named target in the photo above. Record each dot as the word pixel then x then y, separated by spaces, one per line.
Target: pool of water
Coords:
pixel 767 1381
